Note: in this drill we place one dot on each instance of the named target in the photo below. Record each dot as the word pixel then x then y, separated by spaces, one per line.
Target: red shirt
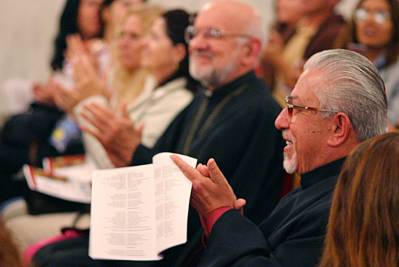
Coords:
pixel 208 222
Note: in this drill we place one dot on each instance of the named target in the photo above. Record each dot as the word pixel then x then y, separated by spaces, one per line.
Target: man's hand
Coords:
pixel 210 188
pixel 116 132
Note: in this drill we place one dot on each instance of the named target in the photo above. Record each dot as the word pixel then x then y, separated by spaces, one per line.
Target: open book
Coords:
pixel 137 212
pixel 67 177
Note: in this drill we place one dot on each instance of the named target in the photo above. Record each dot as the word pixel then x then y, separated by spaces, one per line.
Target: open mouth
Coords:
pixel 288 146
pixel 369 31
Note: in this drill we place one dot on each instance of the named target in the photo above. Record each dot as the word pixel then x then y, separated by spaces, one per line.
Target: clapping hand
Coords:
pixel 210 188
pixel 86 76
pixel 115 131
pixel 65 98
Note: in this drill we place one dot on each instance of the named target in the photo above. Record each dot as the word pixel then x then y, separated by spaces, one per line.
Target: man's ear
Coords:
pixel 252 49
pixel 340 129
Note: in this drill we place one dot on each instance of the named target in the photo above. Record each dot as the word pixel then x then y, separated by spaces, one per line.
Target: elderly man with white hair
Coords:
pixel 338 101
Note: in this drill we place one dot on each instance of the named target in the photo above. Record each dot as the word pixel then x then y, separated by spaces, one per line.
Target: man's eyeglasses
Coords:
pixel 211 33
pixel 291 106
pixel 379 16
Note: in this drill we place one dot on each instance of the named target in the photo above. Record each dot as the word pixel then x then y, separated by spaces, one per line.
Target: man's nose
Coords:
pixel 198 42
pixel 283 120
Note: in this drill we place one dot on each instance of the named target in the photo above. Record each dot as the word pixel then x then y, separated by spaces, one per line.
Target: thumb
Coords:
pixel 239 203
pixel 215 173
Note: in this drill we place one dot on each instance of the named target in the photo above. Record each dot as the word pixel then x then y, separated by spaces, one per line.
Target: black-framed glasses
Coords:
pixel 291 106
pixel 378 16
pixel 211 33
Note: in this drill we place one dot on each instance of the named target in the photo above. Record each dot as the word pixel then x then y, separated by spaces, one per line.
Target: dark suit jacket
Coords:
pixel 292 236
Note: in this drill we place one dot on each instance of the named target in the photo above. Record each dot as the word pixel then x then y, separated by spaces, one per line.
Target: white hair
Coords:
pixel 256 28
pixel 354 87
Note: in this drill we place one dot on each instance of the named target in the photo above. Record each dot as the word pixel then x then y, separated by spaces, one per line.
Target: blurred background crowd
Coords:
pixel 34 26
pixel 70 69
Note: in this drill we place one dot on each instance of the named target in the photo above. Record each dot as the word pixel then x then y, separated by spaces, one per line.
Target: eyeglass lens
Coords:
pixel 378 16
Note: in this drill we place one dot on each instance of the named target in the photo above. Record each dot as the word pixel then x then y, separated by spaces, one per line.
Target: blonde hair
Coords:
pixel 127 85
pixel 146 13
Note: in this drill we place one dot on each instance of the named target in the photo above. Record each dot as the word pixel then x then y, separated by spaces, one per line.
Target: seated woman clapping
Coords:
pixel 165 56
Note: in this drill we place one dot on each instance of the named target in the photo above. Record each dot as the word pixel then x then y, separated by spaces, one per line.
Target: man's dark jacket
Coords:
pixel 292 236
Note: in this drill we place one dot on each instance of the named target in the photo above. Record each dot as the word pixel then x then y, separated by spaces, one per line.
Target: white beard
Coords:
pixel 290 164
pixel 204 75
pixel 209 75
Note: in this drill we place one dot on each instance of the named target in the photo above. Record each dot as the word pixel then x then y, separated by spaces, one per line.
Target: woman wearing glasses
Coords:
pixel 374 32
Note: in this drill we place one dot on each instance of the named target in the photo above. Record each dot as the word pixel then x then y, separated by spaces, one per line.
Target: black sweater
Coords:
pixel 292 236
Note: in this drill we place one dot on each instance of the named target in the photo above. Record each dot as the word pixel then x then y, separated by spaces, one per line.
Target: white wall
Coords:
pixel 28 28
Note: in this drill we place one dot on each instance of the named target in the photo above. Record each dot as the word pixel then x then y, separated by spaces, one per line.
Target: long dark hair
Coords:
pixel 68 24
pixel 177 20
pixel 363 227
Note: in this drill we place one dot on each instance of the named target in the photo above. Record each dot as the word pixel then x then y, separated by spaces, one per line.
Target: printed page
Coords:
pixel 123 214
pixel 172 191
pixel 58 186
